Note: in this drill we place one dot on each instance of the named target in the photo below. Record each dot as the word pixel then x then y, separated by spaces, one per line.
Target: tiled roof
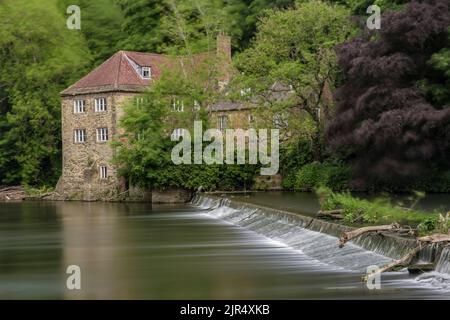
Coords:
pixel 118 73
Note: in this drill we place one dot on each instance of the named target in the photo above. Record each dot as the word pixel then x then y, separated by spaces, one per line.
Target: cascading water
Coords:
pixel 318 239
pixel 440 278
pixel 321 247
pixel 443 265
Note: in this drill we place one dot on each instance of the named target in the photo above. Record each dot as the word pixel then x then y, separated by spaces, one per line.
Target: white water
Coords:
pixel 321 247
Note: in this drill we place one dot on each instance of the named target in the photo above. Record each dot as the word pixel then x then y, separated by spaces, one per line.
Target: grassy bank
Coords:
pixel 356 211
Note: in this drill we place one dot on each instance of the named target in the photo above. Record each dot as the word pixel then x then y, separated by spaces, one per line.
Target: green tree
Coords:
pixel 291 67
pixel 101 26
pixel 144 150
pixel 39 57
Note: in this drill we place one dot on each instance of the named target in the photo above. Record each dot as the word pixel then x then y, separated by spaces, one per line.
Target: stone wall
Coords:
pixel 80 178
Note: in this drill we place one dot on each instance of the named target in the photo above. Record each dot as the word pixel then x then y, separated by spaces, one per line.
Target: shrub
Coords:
pixel 292 158
pixel 313 175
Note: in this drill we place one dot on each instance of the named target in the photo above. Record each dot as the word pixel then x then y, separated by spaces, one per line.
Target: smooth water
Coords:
pixel 134 251
pixel 307 203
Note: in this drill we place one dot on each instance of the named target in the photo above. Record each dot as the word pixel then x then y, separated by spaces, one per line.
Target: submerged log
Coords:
pixel 347 236
pixel 396 264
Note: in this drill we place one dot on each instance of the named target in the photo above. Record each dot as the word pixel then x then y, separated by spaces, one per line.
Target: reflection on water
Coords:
pixel 133 251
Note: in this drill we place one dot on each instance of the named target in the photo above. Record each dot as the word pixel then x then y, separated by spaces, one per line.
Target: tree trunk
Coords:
pixel 347 236
pixel 403 262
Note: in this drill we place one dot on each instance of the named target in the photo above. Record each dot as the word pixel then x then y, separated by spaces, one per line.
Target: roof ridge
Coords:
pixel 93 70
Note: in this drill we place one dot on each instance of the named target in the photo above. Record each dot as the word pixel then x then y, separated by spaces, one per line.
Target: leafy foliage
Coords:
pixel 315 174
pixel 384 124
pixel 377 211
pixel 290 69
pixel 39 57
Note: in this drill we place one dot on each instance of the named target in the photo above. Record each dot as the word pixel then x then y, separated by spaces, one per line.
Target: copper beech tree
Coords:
pixel 387 123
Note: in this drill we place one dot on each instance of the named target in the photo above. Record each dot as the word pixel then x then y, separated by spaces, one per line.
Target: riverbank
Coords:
pixel 12 194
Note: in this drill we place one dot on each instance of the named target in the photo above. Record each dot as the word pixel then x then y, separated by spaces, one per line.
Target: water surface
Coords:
pixel 134 251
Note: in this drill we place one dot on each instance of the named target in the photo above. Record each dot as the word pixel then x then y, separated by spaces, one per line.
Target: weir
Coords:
pixel 318 238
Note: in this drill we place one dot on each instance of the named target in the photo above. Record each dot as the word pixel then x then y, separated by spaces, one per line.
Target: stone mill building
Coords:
pixel 91 109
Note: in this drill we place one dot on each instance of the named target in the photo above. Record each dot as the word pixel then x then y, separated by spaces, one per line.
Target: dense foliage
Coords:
pixel 381 211
pixel 297 63
pixel 392 121
pixel 39 57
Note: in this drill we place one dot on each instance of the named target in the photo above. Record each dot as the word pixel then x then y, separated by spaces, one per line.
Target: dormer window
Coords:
pixel 146 72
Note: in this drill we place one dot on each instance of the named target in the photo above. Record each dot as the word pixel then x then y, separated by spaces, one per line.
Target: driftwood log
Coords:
pixel 406 260
pixel 347 236
pixel 12 193
pixel 333 214
pixel 435 238
pixel 396 264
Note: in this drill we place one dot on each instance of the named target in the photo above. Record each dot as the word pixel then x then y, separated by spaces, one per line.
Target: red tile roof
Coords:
pixel 118 73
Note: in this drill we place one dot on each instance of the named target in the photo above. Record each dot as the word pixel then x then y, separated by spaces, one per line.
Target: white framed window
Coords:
pixel 102 134
pixel 103 172
pixel 146 72
pixel 177 134
pixel 100 105
pixel 178 105
pixel 222 122
pixel 79 135
pixel 251 118
pixel 79 106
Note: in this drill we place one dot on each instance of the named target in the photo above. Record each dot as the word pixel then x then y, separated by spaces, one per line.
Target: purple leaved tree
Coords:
pixel 384 124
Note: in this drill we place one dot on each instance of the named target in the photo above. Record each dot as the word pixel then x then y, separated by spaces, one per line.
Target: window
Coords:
pixel 102 134
pixel 222 122
pixel 146 72
pixel 103 171
pixel 178 105
pixel 251 118
pixel 100 105
pixel 79 106
pixel 79 135
pixel 177 134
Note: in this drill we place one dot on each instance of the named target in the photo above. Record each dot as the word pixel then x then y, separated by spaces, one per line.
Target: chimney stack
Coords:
pixel 224 60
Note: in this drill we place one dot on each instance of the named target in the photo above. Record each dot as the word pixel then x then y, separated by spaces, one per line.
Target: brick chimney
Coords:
pixel 224 60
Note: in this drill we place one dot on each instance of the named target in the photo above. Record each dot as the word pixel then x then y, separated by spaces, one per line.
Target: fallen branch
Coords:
pixel 403 262
pixel 334 214
pixel 347 236
pixel 39 196
pixel 435 238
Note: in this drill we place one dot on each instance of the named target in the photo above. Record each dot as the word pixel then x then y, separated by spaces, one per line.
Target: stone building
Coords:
pixel 92 107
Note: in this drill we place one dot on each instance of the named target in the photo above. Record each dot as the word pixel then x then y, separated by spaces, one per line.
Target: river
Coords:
pixel 136 251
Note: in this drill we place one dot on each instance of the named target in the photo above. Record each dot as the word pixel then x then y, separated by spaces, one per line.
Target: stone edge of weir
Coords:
pixel 390 245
